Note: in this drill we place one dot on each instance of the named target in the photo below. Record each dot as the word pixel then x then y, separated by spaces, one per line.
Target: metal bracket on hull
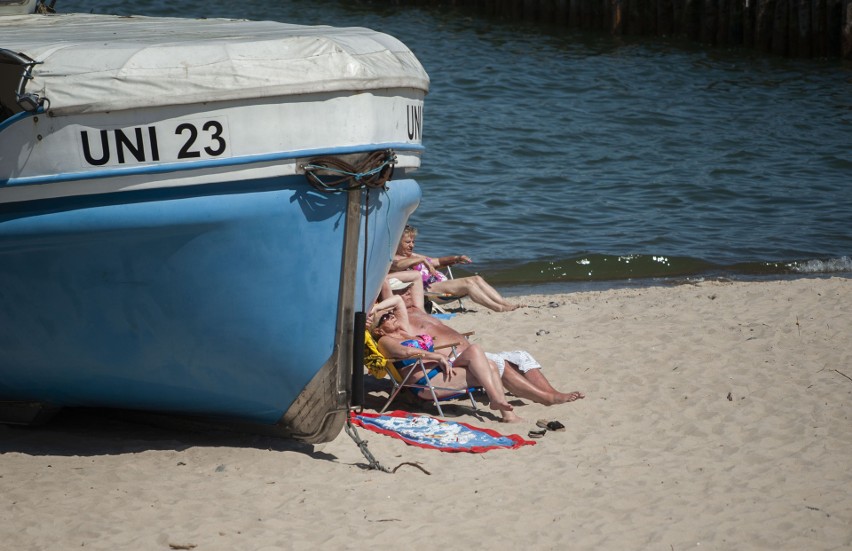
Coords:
pixel 29 102
pixel 320 411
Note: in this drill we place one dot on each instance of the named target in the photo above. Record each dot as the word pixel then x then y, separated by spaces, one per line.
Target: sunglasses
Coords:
pixel 384 318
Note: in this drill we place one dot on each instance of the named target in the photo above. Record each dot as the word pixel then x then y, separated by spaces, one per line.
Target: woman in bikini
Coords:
pixel 474 287
pixel 470 368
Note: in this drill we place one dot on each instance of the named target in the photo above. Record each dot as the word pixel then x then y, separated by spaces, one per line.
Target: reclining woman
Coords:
pixel 474 287
pixel 470 368
pixel 520 373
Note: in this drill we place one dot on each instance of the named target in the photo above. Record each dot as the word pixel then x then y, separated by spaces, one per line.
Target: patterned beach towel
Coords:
pixel 438 434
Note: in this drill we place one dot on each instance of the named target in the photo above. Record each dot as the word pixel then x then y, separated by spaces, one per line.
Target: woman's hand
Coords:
pixel 432 269
pixel 453 260
pixel 428 262
pixel 444 364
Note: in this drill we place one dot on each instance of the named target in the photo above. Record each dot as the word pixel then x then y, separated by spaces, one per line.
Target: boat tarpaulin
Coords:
pixel 95 63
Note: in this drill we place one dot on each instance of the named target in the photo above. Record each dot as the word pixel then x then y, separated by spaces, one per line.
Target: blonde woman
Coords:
pixel 473 287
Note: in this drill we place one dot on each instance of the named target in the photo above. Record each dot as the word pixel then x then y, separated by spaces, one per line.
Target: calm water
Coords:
pixel 557 157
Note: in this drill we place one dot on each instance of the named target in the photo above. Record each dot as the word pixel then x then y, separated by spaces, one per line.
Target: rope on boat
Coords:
pixel 372 172
pixel 362 445
pixel 44 8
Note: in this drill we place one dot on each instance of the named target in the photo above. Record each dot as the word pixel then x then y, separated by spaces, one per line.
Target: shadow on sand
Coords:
pixel 93 432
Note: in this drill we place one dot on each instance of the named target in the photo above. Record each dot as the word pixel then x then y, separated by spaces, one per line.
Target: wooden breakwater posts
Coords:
pixel 794 28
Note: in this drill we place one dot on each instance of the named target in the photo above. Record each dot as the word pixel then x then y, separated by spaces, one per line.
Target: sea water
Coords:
pixel 556 157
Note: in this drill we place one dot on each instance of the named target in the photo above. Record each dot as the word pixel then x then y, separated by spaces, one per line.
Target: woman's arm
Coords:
pixel 391 348
pixel 451 260
pixel 397 305
pixel 402 263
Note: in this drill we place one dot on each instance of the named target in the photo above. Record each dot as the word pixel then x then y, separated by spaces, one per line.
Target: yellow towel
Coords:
pixel 375 363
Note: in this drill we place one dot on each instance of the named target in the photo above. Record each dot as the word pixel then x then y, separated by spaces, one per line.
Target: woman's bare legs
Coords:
pixel 537 378
pixel 533 385
pixel 484 373
pixel 477 289
pixel 518 385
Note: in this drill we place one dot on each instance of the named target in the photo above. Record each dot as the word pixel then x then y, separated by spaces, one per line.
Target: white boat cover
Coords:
pixel 96 63
pixel 17 7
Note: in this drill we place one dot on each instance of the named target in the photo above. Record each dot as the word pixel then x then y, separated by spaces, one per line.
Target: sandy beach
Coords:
pixel 717 416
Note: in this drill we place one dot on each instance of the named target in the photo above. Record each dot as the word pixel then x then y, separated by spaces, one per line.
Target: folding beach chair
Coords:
pixel 379 367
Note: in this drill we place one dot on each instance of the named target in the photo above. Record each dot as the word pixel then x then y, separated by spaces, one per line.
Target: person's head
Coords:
pixel 402 289
pixel 406 243
pixel 383 323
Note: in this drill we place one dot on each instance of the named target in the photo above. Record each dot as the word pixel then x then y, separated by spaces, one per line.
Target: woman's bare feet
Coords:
pixel 501 405
pixel 565 397
pixel 510 417
pixel 506 411
pixel 554 398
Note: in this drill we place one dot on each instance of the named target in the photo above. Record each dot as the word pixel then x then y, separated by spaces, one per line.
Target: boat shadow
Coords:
pixel 95 431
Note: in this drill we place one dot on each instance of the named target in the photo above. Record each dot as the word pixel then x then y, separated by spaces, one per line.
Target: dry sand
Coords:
pixel 717 416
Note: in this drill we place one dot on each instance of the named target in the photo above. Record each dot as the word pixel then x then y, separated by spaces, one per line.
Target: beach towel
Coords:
pixel 441 316
pixel 375 363
pixel 438 434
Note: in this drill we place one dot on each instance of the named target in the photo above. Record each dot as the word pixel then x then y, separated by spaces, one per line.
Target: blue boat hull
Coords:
pixel 221 300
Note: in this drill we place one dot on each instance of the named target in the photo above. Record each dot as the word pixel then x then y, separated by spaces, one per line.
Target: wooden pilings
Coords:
pixel 794 28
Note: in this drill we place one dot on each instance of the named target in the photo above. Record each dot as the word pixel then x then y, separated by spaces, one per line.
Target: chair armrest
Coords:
pixel 412 357
pixel 448 345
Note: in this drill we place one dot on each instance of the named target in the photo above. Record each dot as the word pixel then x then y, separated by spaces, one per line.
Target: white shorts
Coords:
pixel 520 358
